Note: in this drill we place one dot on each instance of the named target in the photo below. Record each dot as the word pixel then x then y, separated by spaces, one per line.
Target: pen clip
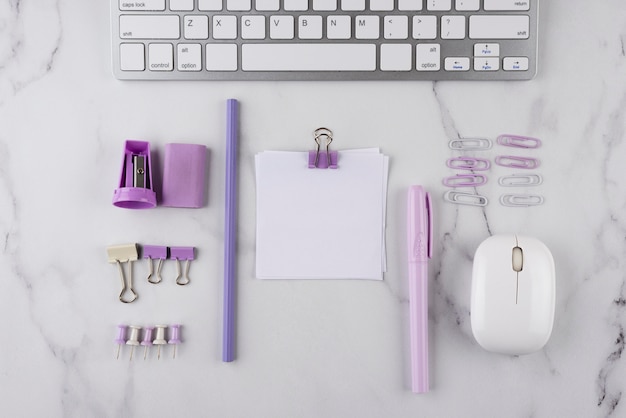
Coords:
pixel 429 212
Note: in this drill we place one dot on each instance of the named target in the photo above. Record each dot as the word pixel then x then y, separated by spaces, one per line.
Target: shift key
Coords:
pixel 499 27
pixel 149 27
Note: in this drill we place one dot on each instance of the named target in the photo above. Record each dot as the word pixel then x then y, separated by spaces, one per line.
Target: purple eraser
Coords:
pixel 184 175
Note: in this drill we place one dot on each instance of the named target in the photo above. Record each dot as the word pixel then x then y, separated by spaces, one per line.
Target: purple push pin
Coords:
pixel 121 339
pixel 147 340
pixel 175 337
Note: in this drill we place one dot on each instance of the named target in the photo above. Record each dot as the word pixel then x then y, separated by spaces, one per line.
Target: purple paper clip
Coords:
pixel 153 252
pixel 135 189
pixel 182 253
pixel 465 180
pixel 517 162
pixel 327 159
pixel 468 163
pixel 518 141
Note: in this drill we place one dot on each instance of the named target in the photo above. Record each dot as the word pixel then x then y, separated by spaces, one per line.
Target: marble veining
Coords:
pixel 332 348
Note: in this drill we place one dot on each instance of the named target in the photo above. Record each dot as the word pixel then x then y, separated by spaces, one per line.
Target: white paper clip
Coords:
pixel 520 180
pixel 518 141
pixel 468 163
pixel 465 180
pixel 470 144
pixel 465 198
pixel 521 200
pixel 126 253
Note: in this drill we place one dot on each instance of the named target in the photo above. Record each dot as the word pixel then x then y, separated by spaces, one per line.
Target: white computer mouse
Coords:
pixel 513 294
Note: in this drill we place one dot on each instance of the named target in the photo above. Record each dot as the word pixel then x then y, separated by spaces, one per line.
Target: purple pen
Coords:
pixel 419 246
pixel 230 223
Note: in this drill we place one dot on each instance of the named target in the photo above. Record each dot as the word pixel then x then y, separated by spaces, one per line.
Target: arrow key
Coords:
pixel 457 64
pixel 515 64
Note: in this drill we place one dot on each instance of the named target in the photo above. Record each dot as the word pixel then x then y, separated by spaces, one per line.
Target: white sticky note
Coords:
pixel 321 223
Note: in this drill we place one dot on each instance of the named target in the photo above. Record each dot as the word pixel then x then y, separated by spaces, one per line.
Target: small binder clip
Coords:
pixel 326 159
pixel 520 180
pixel 468 163
pixel 521 200
pixel 517 162
pixel 135 189
pixel 518 141
pixel 465 180
pixel 465 198
pixel 126 253
pixel 182 253
pixel 152 252
pixel 470 144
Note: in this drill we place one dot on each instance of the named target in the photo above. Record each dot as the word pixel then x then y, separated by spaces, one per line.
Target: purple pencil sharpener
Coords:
pixel 135 189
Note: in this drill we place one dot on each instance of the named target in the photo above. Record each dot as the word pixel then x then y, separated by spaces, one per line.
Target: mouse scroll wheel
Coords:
pixel 518 259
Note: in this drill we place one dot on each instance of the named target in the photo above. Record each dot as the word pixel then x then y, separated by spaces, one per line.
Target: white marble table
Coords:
pixel 304 349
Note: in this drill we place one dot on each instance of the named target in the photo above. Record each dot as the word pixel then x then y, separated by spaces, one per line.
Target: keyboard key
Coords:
pixel 381 5
pixel 132 57
pixel 281 27
pixel 253 27
pixel 506 5
pixel 149 5
pixel 452 27
pixel 409 5
pixel 515 64
pixel 181 5
pixel 149 27
pixel 196 27
pixel 224 27
pixel 296 5
pixel 239 5
pixel 424 27
pixel 396 27
pixel 486 50
pixel 209 5
pixel 395 57
pixel 367 27
pixel 310 27
pixel 189 57
pixel 308 57
pixel 457 64
pixel 160 57
pixel 221 57
pixel 499 27
pixel 439 5
pixel 353 5
pixel 267 5
pixel 338 27
pixel 486 64
pixel 467 5
pixel 428 57
pixel 325 5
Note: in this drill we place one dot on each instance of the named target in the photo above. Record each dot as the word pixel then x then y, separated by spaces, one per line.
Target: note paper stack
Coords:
pixel 317 223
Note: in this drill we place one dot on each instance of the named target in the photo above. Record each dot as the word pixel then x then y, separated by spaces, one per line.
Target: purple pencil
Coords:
pixel 230 237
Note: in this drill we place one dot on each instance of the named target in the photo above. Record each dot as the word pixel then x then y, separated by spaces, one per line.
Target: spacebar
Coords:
pixel 308 57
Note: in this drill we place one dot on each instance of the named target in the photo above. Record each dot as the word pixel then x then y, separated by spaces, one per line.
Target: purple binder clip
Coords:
pixel 153 252
pixel 327 159
pixel 135 189
pixel 182 253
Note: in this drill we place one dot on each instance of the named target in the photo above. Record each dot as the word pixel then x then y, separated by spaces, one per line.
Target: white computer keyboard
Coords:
pixel 324 39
